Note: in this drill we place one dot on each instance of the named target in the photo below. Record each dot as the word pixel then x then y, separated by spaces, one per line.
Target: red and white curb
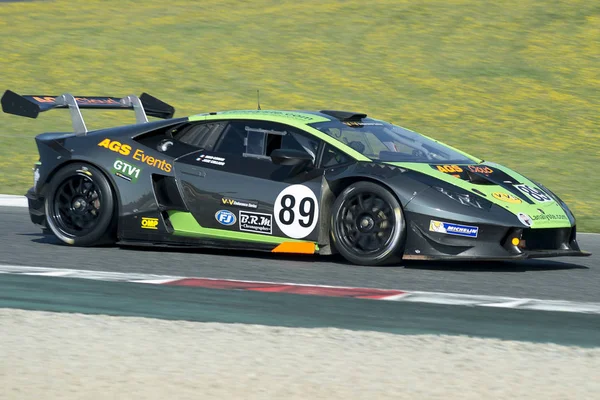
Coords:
pixel 315 290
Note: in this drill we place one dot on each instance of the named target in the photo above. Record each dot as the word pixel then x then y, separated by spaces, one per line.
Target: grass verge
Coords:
pixel 516 82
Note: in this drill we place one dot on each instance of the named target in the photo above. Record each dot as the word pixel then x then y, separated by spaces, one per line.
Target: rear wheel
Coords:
pixel 80 206
pixel 368 226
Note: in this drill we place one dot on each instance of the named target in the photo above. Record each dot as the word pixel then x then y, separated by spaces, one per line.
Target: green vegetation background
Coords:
pixel 516 81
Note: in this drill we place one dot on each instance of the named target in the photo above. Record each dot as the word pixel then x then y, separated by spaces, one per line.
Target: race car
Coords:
pixel 282 181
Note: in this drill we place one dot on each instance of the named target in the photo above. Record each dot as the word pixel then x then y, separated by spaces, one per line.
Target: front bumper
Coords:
pixel 493 242
pixel 37 211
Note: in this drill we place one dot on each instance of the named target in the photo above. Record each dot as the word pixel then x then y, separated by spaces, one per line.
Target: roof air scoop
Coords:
pixel 345 115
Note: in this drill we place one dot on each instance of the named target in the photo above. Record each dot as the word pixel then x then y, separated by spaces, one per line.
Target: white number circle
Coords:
pixel 296 211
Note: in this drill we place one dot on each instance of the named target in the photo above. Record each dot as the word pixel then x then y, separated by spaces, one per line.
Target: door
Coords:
pixel 233 185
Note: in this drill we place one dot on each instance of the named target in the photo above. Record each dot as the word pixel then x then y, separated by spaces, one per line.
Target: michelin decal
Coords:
pixel 453 229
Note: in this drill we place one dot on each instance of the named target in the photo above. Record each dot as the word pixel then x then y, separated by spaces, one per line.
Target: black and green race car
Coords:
pixel 283 181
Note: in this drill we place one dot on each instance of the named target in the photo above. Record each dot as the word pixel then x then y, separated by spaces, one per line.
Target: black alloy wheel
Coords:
pixel 80 206
pixel 367 225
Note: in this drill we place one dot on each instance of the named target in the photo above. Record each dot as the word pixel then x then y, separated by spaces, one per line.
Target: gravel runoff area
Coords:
pixel 72 356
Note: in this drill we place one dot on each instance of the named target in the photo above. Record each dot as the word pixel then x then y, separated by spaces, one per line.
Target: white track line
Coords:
pixel 10 200
pixel 407 296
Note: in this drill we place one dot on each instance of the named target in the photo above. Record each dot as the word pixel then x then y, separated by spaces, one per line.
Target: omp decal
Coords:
pixel 509 198
pixel 149 223
pixel 126 171
pixel 296 211
pixel 453 229
pixel 138 155
pixel 228 201
pixel 480 169
pixel 225 217
pixel 116 146
pixel 211 160
pixel 256 222
pixel 534 193
pixel 525 219
pixel 455 299
pixel 295 247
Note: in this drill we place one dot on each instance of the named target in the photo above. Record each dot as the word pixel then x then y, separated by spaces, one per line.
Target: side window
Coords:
pixel 200 135
pixel 332 157
pixel 258 139
pixel 261 142
pixel 233 140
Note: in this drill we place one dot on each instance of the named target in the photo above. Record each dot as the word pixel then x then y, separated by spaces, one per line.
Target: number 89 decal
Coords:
pixel 534 193
pixel 296 211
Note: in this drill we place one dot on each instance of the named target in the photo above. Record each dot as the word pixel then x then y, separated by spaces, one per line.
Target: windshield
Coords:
pixel 382 141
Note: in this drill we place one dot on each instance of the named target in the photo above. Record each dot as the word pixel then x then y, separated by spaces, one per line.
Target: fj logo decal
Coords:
pixel 225 217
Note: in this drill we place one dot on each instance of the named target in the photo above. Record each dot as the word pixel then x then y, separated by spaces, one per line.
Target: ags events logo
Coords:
pixel 138 154
pixel 115 146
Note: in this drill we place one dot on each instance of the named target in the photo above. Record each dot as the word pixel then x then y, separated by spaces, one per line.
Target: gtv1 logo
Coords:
pixel 126 171
pixel 225 217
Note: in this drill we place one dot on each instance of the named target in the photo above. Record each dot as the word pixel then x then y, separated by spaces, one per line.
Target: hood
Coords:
pixel 535 206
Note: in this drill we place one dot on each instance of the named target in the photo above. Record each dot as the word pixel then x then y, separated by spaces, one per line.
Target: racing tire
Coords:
pixel 80 205
pixel 367 225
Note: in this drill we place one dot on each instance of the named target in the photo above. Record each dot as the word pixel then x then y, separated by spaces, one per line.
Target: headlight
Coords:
pixel 466 199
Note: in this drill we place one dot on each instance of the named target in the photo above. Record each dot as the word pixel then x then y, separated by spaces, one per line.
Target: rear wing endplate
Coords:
pixel 31 105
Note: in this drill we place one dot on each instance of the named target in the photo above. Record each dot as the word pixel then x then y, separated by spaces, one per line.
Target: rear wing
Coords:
pixel 31 105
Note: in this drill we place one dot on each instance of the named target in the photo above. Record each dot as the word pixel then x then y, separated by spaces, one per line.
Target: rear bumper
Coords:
pixel 37 211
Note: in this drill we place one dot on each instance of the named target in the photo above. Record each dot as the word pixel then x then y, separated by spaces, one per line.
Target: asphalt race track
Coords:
pixel 574 279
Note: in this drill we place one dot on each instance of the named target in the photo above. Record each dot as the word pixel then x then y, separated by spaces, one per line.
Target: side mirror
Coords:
pixel 290 157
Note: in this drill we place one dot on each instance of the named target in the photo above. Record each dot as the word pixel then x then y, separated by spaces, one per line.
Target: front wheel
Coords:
pixel 80 206
pixel 367 225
